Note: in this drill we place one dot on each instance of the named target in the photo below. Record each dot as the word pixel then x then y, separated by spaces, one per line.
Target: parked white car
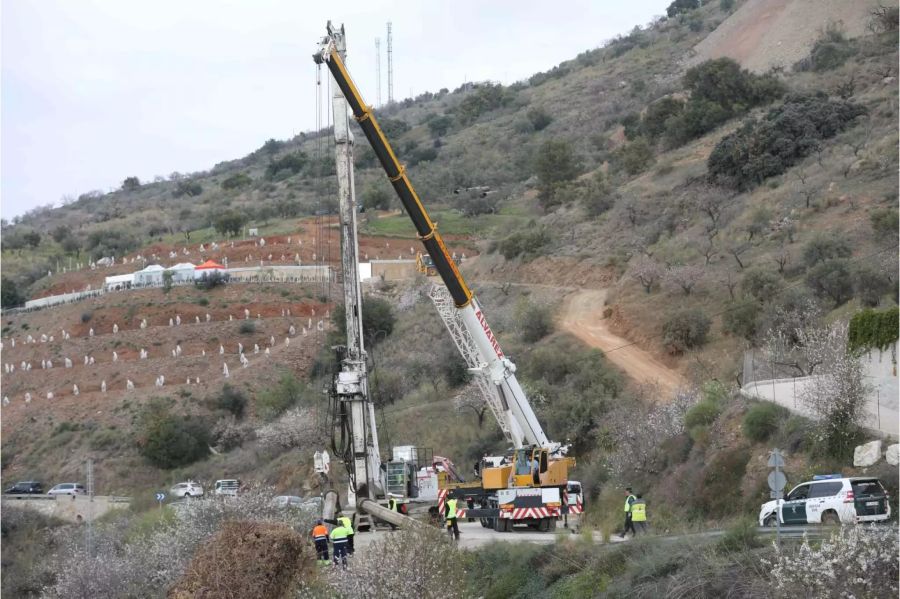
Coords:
pixel 829 499
pixel 187 489
pixel 68 489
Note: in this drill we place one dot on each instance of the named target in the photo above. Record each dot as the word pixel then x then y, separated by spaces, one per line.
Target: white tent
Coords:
pixel 182 272
pixel 118 282
pixel 152 275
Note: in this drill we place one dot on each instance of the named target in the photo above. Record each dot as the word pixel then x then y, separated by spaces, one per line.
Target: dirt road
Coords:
pixel 582 316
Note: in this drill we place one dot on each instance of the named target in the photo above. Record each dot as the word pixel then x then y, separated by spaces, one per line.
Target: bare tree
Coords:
pixel 712 205
pixel 648 272
pixel 737 250
pixel 857 145
pixel 469 397
pixel 684 277
pixel 731 282
pixel 782 258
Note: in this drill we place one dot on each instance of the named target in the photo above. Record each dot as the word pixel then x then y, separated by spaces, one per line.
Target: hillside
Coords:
pixel 668 198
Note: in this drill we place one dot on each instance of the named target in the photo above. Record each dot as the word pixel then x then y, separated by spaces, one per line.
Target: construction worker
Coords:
pixel 629 525
pixel 320 538
pixel 450 515
pixel 639 514
pixel 348 524
pixel 339 544
pixel 393 506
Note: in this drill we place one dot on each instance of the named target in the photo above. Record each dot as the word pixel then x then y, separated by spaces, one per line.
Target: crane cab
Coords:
pixel 529 467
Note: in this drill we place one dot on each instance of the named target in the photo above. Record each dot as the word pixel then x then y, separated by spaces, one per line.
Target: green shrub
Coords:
pixel 483 100
pixel 741 317
pixel 248 327
pixel 290 164
pixel 440 125
pixel 635 157
pixel 884 223
pixel 825 246
pixel 871 284
pixel 10 297
pixel 761 285
pixel 231 400
pixel 287 393
pixel 555 163
pixel 687 329
pixel 874 329
pixel 831 280
pixel 721 487
pixel 170 440
pixel 703 413
pixel 769 146
pixel 681 6
pixel 762 420
pixel 534 321
pixel 829 52
pixel 653 123
pixel 237 181
pixel 538 117
pixel 188 188
pixel 741 537
pixel 524 243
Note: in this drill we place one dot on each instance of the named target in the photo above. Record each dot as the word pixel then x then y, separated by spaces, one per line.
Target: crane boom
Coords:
pixel 521 421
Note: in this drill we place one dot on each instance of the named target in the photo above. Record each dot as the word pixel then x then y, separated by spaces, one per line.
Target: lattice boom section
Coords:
pixel 466 346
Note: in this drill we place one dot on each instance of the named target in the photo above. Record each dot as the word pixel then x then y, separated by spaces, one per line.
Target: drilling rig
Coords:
pixel 528 485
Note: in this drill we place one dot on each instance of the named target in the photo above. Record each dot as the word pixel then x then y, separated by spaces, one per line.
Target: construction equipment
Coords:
pixel 511 492
pixel 425 265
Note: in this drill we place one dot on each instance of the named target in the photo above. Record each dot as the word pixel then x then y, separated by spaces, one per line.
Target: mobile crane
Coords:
pixel 511 490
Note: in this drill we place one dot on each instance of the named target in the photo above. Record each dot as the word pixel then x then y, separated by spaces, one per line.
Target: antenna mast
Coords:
pixel 390 62
pixel 378 71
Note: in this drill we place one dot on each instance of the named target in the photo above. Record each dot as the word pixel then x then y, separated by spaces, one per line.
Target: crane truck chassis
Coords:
pixel 509 492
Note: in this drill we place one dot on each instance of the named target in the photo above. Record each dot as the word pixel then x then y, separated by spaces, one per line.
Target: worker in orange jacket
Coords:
pixel 320 538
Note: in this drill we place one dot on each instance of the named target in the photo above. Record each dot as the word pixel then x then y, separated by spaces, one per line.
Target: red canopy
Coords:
pixel 209 265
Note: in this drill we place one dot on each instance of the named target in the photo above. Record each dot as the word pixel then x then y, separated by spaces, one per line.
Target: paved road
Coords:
pixel 473 535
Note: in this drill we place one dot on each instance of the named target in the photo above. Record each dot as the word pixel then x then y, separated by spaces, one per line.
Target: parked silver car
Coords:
pixel 68 489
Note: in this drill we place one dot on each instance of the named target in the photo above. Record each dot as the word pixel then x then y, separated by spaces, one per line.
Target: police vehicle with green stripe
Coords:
pixel 829 499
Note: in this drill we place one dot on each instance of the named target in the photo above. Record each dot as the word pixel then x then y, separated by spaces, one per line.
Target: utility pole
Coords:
pixel 351 383
pixel 89 525
pixel 378 71
pixel 390 63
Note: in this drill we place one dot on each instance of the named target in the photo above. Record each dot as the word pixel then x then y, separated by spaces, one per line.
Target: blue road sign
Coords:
pixel 160 496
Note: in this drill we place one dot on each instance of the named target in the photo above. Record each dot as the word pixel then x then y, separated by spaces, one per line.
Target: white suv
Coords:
pixel 188 489
pixel 829 499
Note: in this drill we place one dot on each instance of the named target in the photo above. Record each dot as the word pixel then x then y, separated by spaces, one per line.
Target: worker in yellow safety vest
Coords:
pixel 629 500
pixel 348 524
pixel 393 505
pixel 339 543
pixel 450 515
pixel 639 514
